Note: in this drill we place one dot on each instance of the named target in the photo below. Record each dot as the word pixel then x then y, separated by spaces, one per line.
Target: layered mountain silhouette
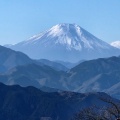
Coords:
pixel 89 76
pixel 17 103
pixel 59 66
pixel 10 59
pixel 65 42
pixel 96 75
pixel 33 75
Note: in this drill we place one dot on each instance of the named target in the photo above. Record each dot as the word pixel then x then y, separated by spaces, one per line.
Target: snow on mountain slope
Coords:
pixel 66 42
pixel 116 44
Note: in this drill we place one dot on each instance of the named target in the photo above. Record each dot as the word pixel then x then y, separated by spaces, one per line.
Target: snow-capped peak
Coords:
pixel 72 36
pixel 67 42
pixel 64 29
pixel 116 44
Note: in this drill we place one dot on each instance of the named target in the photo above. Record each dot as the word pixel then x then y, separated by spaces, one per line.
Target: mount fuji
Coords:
pixel 65 42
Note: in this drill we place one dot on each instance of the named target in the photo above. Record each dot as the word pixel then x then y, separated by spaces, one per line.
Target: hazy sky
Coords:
pixel 20 19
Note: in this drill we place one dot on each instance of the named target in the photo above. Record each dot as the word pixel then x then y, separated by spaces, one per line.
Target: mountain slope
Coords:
pixel 33 75
pixel 89 76
pixel 10 59
pixel 53 64
pixel 65 42
pixel 17 103
pixel 95 75
pixel 69 64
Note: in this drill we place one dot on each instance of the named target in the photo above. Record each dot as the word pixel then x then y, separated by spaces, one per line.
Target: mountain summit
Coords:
pixel 66 42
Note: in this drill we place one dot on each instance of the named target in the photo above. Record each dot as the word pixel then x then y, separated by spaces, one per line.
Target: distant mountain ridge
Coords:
pixel 33 75
pixel 96 75
pixel 89 76
pixel 65 42
pixel 10 59
pixel 54 64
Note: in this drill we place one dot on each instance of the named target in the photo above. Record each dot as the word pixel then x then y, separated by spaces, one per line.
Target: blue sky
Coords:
pixel 20 19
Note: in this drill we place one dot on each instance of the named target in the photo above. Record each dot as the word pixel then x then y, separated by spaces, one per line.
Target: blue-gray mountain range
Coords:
pixel 89 76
